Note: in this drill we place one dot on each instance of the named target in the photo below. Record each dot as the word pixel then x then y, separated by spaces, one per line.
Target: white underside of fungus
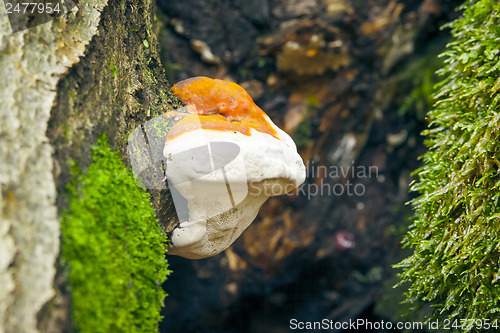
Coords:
pixel 226 176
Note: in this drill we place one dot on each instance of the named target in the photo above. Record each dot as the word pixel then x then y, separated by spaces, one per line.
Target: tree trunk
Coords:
pixel 93 70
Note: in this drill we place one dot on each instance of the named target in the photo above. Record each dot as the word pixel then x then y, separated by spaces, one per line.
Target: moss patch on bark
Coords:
pixel 113 249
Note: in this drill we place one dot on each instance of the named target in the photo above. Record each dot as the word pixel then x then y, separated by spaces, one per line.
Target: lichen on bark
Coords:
pixel 31 63
pixel 114 89
pixel 50 114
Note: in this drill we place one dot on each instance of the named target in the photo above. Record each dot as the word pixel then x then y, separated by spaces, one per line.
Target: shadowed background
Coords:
pixel 350 81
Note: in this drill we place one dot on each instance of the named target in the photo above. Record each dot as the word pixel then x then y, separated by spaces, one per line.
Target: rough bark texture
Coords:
pixel 32 62
pixel 118 86
pixel 49 118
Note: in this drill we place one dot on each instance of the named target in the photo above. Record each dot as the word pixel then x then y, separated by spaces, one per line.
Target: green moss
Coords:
pixel 65 131
pixel 456 233
pixel 113 250
pixel 72 95
pixel 149 76
pixel 112 66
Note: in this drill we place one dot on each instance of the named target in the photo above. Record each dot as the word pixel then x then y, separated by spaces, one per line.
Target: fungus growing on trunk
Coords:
pixel 225 157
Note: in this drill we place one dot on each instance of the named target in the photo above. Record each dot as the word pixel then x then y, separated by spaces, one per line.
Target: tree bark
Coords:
pixel 93 70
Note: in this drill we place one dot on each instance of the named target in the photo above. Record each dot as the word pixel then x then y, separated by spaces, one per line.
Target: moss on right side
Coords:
pixel 456 234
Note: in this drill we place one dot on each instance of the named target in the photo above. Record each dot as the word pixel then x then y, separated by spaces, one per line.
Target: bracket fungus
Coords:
pixel 225 157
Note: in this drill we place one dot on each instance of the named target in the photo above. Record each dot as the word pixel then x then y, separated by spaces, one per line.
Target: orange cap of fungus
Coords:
pixel 218 105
